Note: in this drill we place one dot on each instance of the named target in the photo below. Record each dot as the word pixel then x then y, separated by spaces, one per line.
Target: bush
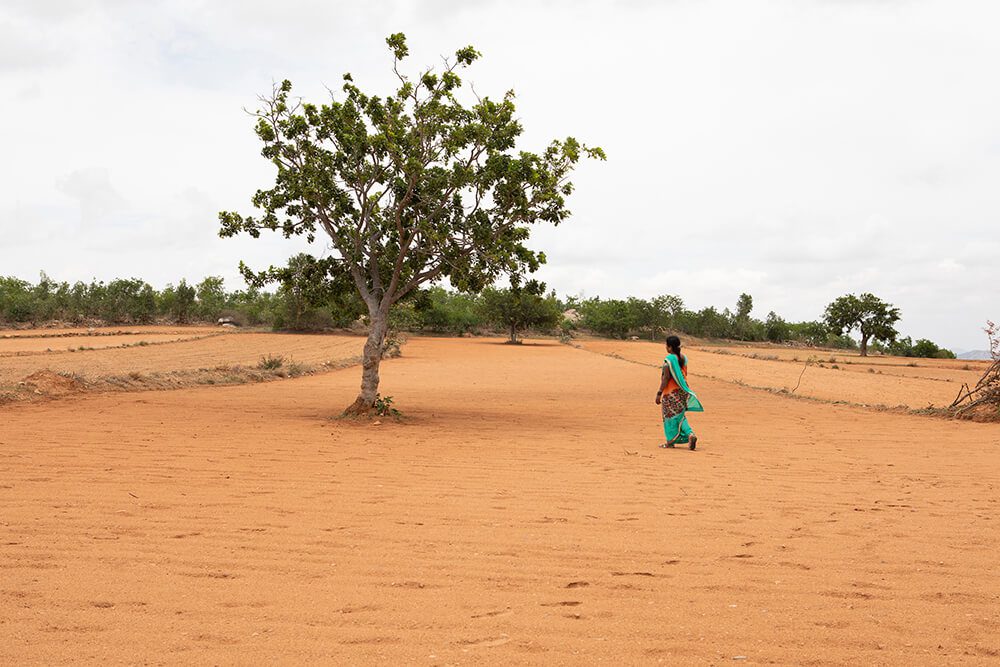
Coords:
pixel 612 318
pixel 443 311
pixel 271 362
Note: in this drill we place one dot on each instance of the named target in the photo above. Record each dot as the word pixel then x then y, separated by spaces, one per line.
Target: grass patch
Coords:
pixel 271 362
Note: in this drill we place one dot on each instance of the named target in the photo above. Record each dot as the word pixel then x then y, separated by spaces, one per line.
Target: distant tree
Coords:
pixel 15 300
pixel 922 348
pixel 643 316
pixel 611 317
pixel 307 285
pixel 521 307
pixel 901 347
pixel 744 305
pixel 743 327
pixel 928 349
pixel 813 333
pixel 653 317
pixel 447 311
pixel 872 317
pixel 410 188
pixel 178 303
pixel 667 307
pixel 776 329
pixel 713 324
pixel 210 294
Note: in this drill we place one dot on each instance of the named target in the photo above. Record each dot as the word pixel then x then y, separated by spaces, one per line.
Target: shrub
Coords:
pixel 271 362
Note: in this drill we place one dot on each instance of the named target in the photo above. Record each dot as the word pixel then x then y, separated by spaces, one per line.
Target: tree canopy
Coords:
pixel 873 318
pixel 416 186
pixel 520 307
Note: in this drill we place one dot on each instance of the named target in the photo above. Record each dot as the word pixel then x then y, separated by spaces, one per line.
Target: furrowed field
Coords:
pixel 169 496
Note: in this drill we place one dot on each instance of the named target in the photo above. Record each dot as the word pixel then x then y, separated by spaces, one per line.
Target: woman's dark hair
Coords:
pixel 674 344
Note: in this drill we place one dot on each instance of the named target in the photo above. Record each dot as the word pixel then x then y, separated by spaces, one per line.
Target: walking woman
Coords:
pixel 675 398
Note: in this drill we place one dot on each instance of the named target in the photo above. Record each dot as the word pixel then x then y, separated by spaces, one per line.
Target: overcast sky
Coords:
pixel 796 150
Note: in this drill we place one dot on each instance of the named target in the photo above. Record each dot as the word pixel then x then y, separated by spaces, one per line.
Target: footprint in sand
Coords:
pixel 563 603
pixel 577 584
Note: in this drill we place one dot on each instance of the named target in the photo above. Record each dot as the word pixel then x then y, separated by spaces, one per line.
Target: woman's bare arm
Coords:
pixel 664 380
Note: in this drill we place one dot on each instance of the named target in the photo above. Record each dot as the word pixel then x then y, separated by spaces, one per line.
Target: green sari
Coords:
pixel 677 404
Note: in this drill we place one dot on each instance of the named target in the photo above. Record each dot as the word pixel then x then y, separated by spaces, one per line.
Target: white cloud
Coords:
pixel 792 149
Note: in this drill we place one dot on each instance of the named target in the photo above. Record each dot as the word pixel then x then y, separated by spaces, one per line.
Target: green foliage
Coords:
pixel 713 324
pixel 654 317
pixel 178 303
pixel 311 293
pixel 211 298
pixel 612 317
pixel 130 300
pixel 442 311
pixel 810 333
pixel 271 362
pixel 776 329
pixel 16 303
pixel 872 317
pixel 133 301
pixel 383 406
pixel 922 348
pixel 521 307
pixel 408 188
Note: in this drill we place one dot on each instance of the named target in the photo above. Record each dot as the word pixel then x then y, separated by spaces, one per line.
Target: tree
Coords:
pixel 872 317
pixel 776 329
pixel 813 333
pixel 667 307
pixel 410 188
pixel 307 284
pixel 211 296
pixel 612 317
pixel 445 311
pixel 741 323
pixel 521 307
pixel 178 302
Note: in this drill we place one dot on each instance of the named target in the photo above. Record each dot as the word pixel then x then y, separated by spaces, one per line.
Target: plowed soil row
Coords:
pixel 21 346
pixel 62 332
pixel 521 513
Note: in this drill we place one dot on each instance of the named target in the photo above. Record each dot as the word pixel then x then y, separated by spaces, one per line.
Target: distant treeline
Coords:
pixel 307 305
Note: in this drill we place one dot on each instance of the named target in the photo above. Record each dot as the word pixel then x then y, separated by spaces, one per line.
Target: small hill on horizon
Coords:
pixel 975 355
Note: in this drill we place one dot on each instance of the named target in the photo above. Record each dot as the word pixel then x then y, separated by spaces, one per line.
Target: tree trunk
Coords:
pixel 864 346
pixel 371 359
pixel 513 333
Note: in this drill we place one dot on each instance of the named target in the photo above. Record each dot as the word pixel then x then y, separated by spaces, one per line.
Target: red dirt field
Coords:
pixel 890 383
pixel 207 351
pixel 56 332
pixel 520 513
pixel 12 347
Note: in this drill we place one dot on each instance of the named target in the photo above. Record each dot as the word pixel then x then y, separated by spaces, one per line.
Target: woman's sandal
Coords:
pixel 666 445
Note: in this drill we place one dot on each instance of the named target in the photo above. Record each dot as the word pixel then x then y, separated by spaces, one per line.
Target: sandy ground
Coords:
pixel 521 514
pixel 889 383
pixel 181 354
